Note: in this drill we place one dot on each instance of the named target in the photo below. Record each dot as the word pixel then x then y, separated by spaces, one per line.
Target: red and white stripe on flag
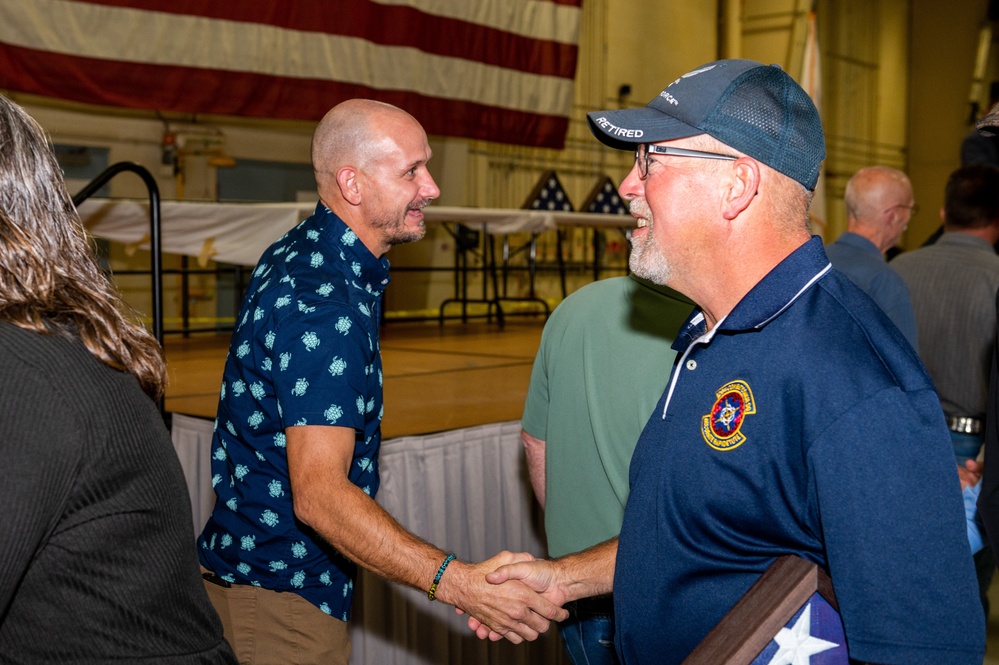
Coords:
pixel 498 70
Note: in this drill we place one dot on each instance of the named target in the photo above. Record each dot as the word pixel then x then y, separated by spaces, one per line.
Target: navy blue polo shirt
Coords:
pixel 802 424
pixel 305 352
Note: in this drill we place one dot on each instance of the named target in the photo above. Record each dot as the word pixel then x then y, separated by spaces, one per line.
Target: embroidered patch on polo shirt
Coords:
pixel 721 428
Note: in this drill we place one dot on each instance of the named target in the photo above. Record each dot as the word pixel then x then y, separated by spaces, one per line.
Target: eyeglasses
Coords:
pixel 645 150
pixel 913 209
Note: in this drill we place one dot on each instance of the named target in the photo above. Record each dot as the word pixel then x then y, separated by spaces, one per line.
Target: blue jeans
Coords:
pixel 588 633
pixel 966 446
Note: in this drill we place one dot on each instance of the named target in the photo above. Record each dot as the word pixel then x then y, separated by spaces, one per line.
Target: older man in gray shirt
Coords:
pixel 879 204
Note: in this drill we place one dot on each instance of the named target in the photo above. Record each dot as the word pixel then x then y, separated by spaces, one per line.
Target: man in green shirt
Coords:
pixel 604 361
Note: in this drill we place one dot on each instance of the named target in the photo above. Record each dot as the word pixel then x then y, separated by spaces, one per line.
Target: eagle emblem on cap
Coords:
pixel 722 427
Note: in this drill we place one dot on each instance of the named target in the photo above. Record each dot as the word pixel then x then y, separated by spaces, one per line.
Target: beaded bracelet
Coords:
pixel 432 594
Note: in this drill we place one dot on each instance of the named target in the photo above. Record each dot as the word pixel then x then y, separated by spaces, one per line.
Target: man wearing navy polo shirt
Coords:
pixel 295 452
pixel 797 420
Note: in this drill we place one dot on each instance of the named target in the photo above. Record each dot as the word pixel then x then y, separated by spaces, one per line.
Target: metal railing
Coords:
pixel 155 240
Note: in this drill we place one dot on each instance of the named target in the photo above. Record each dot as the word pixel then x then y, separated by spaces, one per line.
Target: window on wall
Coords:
pixel 253 180
pixel 81 164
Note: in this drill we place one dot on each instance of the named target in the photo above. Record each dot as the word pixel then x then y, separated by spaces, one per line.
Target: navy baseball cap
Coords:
pixel 756 109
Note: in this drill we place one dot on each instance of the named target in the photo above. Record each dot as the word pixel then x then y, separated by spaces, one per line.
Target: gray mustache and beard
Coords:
pixel 647 259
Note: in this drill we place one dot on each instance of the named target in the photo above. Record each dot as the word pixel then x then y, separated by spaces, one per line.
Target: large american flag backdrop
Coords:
pixel 498 70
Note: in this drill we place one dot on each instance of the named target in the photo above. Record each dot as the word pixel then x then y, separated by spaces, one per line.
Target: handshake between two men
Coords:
pixel 541 586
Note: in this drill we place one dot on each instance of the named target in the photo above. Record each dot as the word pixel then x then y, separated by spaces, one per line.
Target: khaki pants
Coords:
pixel 268 627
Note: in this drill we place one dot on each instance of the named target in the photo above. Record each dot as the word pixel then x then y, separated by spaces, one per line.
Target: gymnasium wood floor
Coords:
pixel 436 377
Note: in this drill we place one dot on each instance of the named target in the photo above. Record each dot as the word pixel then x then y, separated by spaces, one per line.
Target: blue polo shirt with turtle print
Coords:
pixel 305 352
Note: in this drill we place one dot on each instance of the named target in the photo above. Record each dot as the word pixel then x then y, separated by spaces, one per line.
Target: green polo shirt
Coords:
pixel 604 361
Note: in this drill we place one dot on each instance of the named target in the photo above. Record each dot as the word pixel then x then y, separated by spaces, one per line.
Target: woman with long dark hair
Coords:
pixel 97 559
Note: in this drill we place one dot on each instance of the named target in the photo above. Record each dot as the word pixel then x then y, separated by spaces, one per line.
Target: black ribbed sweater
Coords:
pixel 97 558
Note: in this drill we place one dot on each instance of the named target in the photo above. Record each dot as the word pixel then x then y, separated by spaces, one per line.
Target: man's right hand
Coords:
pixel 579 575
pixel 513 610
pixel 537 574
pixel 541 575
